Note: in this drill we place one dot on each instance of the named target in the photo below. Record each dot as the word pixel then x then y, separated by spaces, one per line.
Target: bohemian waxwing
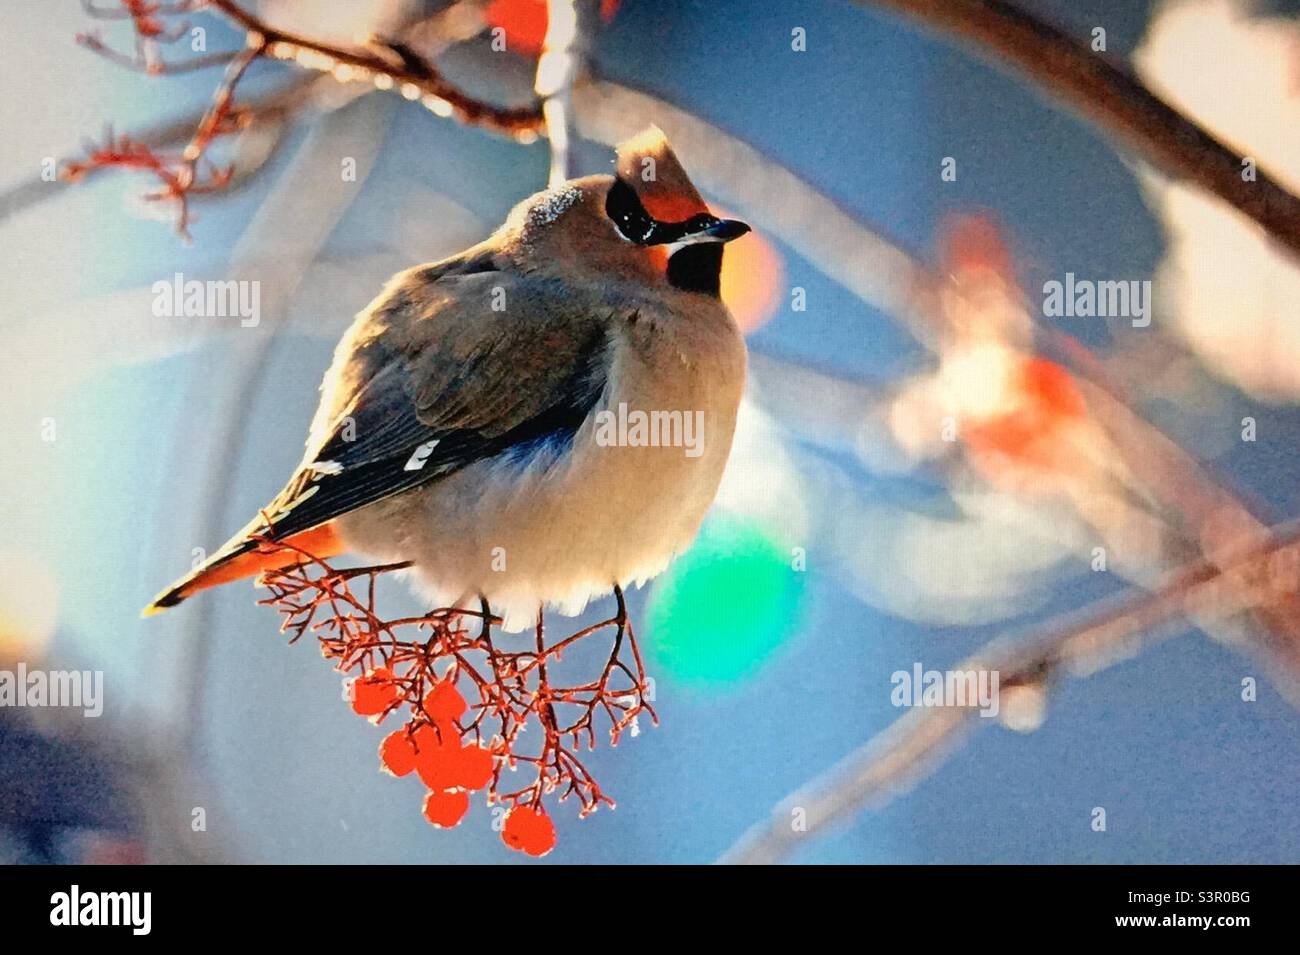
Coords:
pixel 533 421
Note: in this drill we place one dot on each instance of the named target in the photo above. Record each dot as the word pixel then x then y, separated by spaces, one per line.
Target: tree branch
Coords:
pixel 570 25
pixel 1111 95
pixel 916 744
pixel 405 68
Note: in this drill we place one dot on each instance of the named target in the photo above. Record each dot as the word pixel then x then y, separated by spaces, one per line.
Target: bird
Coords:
pixel 474 421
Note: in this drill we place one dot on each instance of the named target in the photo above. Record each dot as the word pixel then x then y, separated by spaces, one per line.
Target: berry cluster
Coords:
pixel 426 667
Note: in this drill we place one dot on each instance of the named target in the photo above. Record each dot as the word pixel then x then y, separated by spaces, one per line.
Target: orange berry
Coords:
pixel 436 759
pixel 473 767
pixel 374 692
pixel 443 703
pixel 446 809
pixel 397 754
pixel 529 830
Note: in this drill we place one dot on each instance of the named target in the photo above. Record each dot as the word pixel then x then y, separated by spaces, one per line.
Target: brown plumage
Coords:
pixel 460 425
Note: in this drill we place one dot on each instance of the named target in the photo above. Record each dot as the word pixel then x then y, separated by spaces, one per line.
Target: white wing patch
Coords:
pixel 420 457
pixel 326 467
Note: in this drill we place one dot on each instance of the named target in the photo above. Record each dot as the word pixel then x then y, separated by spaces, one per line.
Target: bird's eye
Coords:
pixel 628 215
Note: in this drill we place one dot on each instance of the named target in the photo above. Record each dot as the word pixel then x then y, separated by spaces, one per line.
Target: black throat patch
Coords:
pixel 697 268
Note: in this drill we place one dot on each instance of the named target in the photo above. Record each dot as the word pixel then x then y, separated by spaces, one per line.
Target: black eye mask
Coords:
pixel 623 206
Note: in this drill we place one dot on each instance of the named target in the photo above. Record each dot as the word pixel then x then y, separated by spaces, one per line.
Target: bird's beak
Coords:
pixel 716 230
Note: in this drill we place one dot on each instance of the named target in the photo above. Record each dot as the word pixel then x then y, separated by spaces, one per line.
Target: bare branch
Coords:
pixel 408 72
pixel 569 28
pixel 1111 95
pixel 915 745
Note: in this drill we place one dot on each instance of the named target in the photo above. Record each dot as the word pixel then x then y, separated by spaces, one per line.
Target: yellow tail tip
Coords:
pixel 165 600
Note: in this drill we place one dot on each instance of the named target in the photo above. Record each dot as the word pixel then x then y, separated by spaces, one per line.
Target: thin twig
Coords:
pixel 411 73
pixel 569 28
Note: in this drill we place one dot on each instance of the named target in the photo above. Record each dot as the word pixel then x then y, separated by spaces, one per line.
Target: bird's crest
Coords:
pixel 646 163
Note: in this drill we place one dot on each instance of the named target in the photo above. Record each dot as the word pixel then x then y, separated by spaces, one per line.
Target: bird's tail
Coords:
pixel 244 557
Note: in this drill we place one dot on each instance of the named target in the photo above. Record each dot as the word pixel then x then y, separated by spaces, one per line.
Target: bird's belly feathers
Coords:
pixel 563 524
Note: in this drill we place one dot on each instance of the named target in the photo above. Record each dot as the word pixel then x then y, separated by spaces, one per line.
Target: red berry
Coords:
pixel 529 830
pixel 473 767
pixel 397 753
pixel 374 692
pixel 436 759
pixel 443 703
pixel 444 809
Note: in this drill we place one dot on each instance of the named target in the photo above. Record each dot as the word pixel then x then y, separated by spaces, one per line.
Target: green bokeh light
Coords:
pixel 724 606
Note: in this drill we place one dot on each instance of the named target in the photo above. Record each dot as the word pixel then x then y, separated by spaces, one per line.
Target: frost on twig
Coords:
pixel 389 65
pixel 467 697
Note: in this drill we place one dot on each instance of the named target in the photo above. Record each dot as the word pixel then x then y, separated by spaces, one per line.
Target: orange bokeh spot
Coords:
pixel 529 831
pixel 753 279
pixel 1044 399
pixel 974 242
pixel 525 22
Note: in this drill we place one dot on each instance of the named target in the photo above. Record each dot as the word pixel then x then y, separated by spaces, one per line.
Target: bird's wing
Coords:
pixel 446 379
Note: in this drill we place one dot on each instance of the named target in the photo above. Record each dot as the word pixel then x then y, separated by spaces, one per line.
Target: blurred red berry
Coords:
pixel 445 809
pixel 524 22
pixel 374 692
pixel 975 242
pixel 529 830
pixel 444 704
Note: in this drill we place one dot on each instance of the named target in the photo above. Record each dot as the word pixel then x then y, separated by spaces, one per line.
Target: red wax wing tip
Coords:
pixel 373 693
pixel 446 809
pixel 444 704
pixel 397 753
pixel 473 767
pixel 529 831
